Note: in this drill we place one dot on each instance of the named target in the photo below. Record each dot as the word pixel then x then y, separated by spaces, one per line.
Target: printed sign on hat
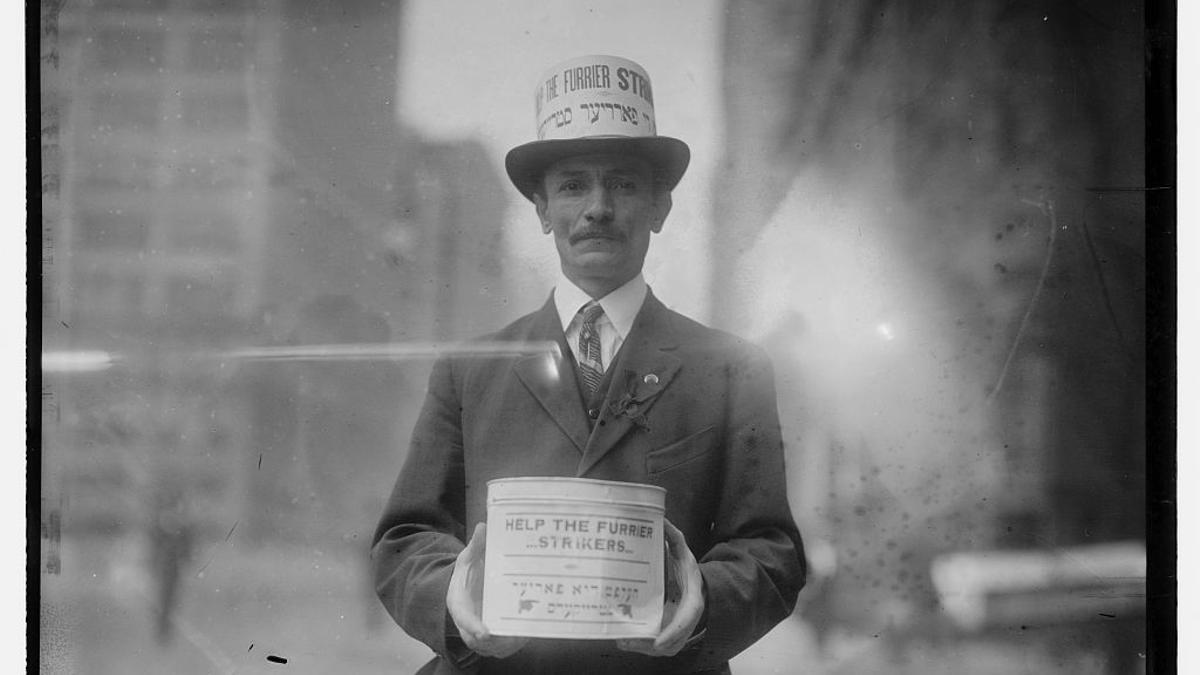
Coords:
pixel 594 96
pixel 593 105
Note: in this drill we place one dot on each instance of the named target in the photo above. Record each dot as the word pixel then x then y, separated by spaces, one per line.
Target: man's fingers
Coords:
pixel 460 600
pixel 462 609
pixel 676 633
pixel 675 537
pixel 477 638
pixel 638 645
pixel 502 647
pixel 495 646
pixel 651 647
pixel 686 614
pixel 469 625
pixel 477 543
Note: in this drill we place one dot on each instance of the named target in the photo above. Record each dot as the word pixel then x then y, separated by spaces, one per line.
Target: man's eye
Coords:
pixel 624 185
pixel 571 186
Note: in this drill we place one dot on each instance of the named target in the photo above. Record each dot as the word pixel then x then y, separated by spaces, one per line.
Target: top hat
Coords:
pixel 591 105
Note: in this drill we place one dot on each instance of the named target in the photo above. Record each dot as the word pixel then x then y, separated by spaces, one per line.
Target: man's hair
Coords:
pixel 656 181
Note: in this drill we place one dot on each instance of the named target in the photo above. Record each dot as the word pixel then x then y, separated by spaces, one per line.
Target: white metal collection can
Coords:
pixel 573 558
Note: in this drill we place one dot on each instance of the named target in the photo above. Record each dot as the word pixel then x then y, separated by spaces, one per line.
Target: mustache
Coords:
pixel 594 233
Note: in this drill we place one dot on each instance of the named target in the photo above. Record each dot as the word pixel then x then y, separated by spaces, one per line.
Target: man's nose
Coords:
pixel 600 206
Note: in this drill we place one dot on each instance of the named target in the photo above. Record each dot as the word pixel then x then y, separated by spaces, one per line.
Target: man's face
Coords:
pixel 601 210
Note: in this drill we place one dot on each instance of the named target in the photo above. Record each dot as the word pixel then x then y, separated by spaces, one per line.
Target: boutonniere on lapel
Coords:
pixel 631 404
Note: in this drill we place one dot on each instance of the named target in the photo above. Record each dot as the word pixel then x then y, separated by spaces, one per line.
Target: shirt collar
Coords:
pixel 620 306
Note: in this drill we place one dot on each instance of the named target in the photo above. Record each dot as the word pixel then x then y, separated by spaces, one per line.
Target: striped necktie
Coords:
pixel 588 353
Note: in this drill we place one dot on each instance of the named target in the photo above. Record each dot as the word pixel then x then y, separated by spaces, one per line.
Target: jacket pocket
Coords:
pixel 679 452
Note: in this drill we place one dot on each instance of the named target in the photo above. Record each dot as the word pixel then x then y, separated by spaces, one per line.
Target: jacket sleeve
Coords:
pixel 754 567
pixel 422 529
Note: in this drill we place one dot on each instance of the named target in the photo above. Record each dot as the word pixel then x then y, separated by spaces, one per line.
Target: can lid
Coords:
pixel 564 489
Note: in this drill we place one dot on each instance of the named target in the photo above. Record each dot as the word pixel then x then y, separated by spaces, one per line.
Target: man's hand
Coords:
pixel 464 602
pixel 680 614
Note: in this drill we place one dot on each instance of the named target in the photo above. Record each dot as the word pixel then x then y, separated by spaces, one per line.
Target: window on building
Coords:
pixel 109 292
pixel 216 112
pixel 128 50
pixel 196 296
pixel 145 5
pixel 217 7
pixel 136 111
pixel 112 229
pixel 210 172
pixel 218 51
pixel 115 171
pixel 203 232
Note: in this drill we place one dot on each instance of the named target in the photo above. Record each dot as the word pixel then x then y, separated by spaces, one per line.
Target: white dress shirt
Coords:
pixel 620 308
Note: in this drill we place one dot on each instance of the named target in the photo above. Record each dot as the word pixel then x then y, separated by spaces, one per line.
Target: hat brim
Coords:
pixel 527 163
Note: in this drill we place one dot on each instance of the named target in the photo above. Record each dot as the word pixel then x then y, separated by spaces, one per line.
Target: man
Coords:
pixel 633 392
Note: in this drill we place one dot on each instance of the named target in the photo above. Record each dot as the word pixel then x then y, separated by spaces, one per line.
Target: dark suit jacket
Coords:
pixel 709 435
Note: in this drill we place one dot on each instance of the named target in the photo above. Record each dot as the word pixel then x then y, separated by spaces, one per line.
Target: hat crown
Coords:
pixel 594 96
pixel 590 105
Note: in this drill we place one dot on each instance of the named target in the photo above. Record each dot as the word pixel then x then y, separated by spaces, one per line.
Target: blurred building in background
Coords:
pixel 226 174
pixel 221 175
pixel 946 202
pixel 159 192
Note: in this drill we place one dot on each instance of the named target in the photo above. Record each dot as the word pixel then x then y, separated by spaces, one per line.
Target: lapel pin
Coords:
pixel 650 379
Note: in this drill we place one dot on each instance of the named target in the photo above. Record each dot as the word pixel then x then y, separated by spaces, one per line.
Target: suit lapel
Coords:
pixel 645 367
pixel 551 378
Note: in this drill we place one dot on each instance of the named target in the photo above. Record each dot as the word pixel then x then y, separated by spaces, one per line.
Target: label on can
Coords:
pixel 572 557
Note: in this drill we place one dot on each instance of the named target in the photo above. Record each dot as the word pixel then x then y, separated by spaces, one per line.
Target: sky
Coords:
pixel 469 69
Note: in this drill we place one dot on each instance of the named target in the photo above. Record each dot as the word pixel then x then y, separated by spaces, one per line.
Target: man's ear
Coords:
pixel 539 204
pixel 662 207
